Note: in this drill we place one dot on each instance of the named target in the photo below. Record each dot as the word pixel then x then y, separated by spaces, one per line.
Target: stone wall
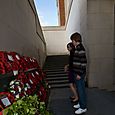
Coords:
pixel 20 30
pixel 100 42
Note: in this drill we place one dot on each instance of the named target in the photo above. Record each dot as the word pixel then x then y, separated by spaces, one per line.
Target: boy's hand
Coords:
pixel 78 77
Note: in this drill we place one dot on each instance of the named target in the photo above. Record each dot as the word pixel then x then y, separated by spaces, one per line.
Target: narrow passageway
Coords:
pixel 100 102
pixel 59 102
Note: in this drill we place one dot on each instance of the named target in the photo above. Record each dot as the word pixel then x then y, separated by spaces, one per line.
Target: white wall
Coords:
pixel 18 29
pixel 67 7
pixel 77 21
pixel 55 40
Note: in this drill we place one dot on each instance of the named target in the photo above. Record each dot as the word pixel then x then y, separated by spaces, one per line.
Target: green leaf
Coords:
pixel 27 110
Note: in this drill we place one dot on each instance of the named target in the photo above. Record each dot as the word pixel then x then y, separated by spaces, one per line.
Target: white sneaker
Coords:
pixel 80 111
pixel 76 106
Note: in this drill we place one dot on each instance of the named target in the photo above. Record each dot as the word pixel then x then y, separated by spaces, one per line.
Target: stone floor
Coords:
pixel 100 102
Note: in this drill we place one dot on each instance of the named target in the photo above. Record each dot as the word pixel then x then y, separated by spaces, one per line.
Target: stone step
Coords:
pixel 59 64
pixel 58 81
pixel 57 75
pixel 57 78
pixel 53 70
pixel 59 85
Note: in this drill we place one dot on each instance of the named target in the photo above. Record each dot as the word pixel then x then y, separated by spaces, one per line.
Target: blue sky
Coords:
pixel 47 12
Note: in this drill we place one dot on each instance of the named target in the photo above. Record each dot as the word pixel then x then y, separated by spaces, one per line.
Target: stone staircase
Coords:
pixel 54 69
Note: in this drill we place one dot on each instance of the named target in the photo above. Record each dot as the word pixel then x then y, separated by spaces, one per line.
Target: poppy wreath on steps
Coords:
pixel 6 67
pixel 29 82
pixel 3 56
pixel 16 87
pixel 29 61
pixel 22 77
pixel 29 89
pixel 19 60
pixel 42 94
pixel 6 99
pixel 40 79
pixel 32 82
pixel 15 59
pixel 24 63
pixel 37 76
pixel 7 63
pixel 2 68
pixel 32 79
pixel 34 62
pixel 15 56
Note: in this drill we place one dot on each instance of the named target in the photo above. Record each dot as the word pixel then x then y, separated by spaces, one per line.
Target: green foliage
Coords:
pixel 29 105
pixel 42 109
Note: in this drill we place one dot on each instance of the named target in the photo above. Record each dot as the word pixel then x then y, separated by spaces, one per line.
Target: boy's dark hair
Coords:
pixel 76 36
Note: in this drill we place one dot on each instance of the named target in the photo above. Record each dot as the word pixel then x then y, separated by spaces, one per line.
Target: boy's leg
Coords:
pixel 80 84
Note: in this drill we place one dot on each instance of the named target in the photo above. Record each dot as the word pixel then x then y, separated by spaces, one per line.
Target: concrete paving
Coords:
pixel 100 102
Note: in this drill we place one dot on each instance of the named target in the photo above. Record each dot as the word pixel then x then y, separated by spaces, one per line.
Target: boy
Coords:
pixel 79 72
